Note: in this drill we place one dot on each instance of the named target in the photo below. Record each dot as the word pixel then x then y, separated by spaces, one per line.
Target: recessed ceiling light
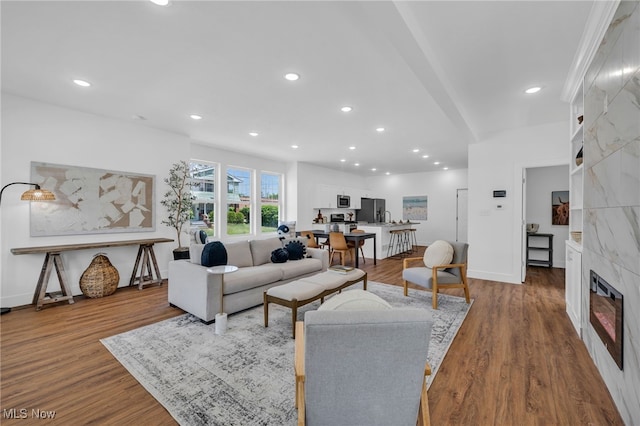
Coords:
pixel 294 146
pixel 160 2
pixel 531 90
pixel 346 109
pixel 292 76
pixel 82 83
pixel 356 164
pixel 342 160
pixel 254 134
pixel 352 148
pixel 374 169
pixel 445 168
pixel 416 150
pixel 387 173
pixel 196 117
pixel 380 129
pixel 436 162
pixel 425 156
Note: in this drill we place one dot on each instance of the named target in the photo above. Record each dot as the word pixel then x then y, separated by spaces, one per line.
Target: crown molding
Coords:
pixel 597 24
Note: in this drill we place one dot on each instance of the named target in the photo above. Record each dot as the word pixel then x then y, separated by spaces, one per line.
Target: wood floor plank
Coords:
pixel 515 361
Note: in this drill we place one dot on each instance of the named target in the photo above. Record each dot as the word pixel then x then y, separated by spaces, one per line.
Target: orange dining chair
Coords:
pixel 339 244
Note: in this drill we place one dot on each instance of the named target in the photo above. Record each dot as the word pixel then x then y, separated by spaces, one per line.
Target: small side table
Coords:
pixel 221 318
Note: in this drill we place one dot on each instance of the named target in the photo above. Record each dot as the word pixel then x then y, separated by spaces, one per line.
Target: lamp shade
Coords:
pixel 38 195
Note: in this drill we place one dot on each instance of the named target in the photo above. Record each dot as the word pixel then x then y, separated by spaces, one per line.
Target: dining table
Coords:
pixel 356 237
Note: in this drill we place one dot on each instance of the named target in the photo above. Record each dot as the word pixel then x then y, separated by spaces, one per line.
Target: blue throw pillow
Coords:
pixel 296 250
pixel 279 256
pixel 214 254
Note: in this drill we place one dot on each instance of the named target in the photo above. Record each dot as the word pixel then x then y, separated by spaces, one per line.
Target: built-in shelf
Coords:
pixel 573 252
pixel 577 169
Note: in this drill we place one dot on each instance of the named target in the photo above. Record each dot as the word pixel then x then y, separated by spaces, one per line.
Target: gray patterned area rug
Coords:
pixel 245 376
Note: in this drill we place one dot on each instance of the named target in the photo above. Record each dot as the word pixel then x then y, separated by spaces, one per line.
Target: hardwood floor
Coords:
pixel 516 360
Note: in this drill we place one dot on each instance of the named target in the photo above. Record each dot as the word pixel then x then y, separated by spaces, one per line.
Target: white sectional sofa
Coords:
pixel 194 290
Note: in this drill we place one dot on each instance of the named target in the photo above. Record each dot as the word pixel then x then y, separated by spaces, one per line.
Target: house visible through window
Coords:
pixel 269 201
pixel 203 177
pixel 243 191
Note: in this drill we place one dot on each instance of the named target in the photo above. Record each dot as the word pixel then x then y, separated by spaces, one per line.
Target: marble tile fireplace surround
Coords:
pixel 611 230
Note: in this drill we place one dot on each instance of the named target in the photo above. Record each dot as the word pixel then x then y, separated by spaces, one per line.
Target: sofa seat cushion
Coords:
pixel 292 269
pixel 250 277
pixel 330 280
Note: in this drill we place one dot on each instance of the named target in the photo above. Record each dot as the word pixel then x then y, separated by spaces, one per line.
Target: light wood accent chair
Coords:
pixel 452 275
pixel 347 380
pixel 339 244
pixel 352 244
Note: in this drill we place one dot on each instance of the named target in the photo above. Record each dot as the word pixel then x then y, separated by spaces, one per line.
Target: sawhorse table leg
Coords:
pixel 41 297
pixel 145 259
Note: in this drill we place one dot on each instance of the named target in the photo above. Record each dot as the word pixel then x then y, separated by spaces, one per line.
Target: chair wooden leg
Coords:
pixel 424 415
pixel 434 286
pixel 466 286
pixel 406 288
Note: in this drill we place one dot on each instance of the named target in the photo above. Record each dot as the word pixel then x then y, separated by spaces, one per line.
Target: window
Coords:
pixel 239 191
pixel 203 177
pixel 270 185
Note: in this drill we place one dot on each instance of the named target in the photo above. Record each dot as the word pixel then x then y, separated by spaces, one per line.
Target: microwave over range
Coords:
pixel 344 201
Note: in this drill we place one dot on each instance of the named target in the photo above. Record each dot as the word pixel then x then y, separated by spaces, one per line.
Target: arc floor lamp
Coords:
pixel 33 194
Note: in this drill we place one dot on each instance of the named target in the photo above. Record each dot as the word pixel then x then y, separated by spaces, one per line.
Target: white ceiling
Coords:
pixel 438 75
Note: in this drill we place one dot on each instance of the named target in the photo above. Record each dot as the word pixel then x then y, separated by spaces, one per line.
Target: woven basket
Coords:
pixel 577 236
pixel 100 279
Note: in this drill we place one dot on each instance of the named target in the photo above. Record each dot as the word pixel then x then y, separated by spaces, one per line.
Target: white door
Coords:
pixel 462 215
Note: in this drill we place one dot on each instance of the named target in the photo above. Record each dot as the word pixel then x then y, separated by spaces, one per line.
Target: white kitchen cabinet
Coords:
pixel 356 195
pixel 573 284
pixel 325 196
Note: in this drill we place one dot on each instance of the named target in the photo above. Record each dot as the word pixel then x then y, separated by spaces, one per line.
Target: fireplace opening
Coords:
pixel 606 316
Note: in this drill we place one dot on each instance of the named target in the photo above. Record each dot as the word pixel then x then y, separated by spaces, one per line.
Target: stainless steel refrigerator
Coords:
pixel 371 210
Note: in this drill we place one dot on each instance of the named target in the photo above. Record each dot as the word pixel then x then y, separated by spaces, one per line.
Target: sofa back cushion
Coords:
pixel 195 253
pixel 261 250
pixel 239 254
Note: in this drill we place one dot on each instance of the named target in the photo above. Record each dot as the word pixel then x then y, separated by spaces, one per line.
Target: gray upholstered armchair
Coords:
pixel 363 367
pixel 436 274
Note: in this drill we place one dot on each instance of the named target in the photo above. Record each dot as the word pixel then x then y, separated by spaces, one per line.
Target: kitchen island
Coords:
pixel 383 236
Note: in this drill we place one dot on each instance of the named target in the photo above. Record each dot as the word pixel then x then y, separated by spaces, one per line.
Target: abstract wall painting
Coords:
pixel 92 201
pixel 414 207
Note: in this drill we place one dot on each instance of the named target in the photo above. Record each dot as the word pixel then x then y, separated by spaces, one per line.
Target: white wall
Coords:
pixel 495 235
pixel 34 131
pixel 541 182
pixel 441 189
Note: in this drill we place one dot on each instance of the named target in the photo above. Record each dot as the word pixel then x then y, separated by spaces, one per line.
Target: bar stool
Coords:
pixel 413 240
pixel 394 238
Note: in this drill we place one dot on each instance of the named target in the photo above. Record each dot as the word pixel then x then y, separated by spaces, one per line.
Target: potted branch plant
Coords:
pixel 179 203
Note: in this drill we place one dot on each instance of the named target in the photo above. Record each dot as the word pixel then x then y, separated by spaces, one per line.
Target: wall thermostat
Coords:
pixel 501 193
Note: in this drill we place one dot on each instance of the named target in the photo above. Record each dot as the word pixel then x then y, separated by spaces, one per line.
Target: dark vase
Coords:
pixel 579 156
pixel 181 253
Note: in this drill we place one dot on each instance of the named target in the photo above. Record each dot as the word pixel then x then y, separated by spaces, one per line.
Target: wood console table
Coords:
pixel 144 261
